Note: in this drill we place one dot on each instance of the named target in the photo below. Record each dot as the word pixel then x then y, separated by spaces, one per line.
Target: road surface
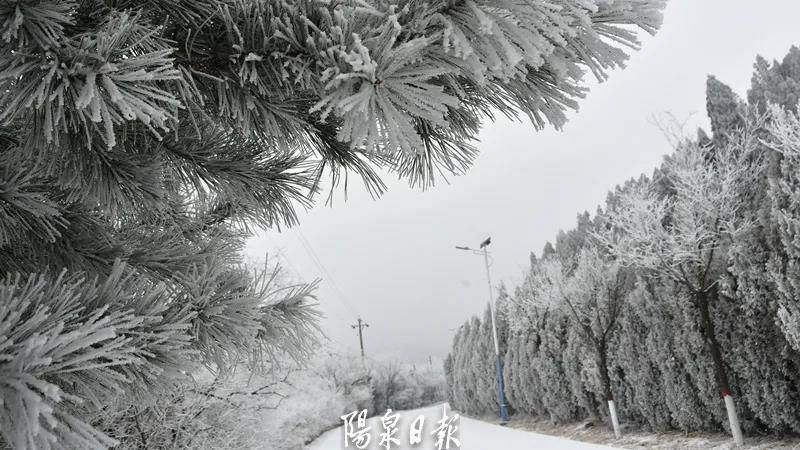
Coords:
pixel 473 435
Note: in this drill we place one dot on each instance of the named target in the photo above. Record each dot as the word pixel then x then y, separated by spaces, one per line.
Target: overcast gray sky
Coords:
pixel 393 260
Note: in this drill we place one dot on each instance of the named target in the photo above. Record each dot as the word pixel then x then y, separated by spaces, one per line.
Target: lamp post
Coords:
pixel 501 391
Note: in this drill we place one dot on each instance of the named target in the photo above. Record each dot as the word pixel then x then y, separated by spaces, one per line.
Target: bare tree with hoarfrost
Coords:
pixel 686 236
pixel 592 291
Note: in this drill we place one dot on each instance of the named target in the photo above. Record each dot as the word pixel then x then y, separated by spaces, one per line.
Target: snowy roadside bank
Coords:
pixel 602 434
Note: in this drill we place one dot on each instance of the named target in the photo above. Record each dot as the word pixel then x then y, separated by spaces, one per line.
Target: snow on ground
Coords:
pixel 601 433
pixel 473 434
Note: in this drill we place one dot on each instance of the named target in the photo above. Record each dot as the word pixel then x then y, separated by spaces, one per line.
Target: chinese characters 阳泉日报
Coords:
pixel 357 433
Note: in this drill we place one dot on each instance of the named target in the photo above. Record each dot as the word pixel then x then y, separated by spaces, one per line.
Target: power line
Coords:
pixel 285 256
pixel 324 271
pixel 322 267
pixel 340 296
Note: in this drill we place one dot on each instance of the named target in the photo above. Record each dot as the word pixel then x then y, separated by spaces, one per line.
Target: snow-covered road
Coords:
pixel 473 434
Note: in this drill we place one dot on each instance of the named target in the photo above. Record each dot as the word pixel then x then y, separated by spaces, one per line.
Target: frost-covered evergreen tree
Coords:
pixel 777 83
pixel 785 195
pixel 644 354
pixel 725 111
pixel 760 349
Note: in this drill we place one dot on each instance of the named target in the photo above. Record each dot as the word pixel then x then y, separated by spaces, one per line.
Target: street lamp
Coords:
pixel 498 364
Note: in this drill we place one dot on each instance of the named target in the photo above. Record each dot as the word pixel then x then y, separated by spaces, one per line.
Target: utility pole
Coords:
pixel 361 325
pixel 501 391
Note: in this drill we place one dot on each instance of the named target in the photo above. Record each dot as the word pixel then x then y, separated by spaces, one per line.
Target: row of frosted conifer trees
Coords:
pixel 621 297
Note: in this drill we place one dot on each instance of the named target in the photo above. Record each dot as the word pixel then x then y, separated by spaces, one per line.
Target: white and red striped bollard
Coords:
pixel 612 409
pixel 733 418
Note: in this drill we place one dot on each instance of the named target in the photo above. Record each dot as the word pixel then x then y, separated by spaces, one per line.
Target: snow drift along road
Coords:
pixel 473 434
